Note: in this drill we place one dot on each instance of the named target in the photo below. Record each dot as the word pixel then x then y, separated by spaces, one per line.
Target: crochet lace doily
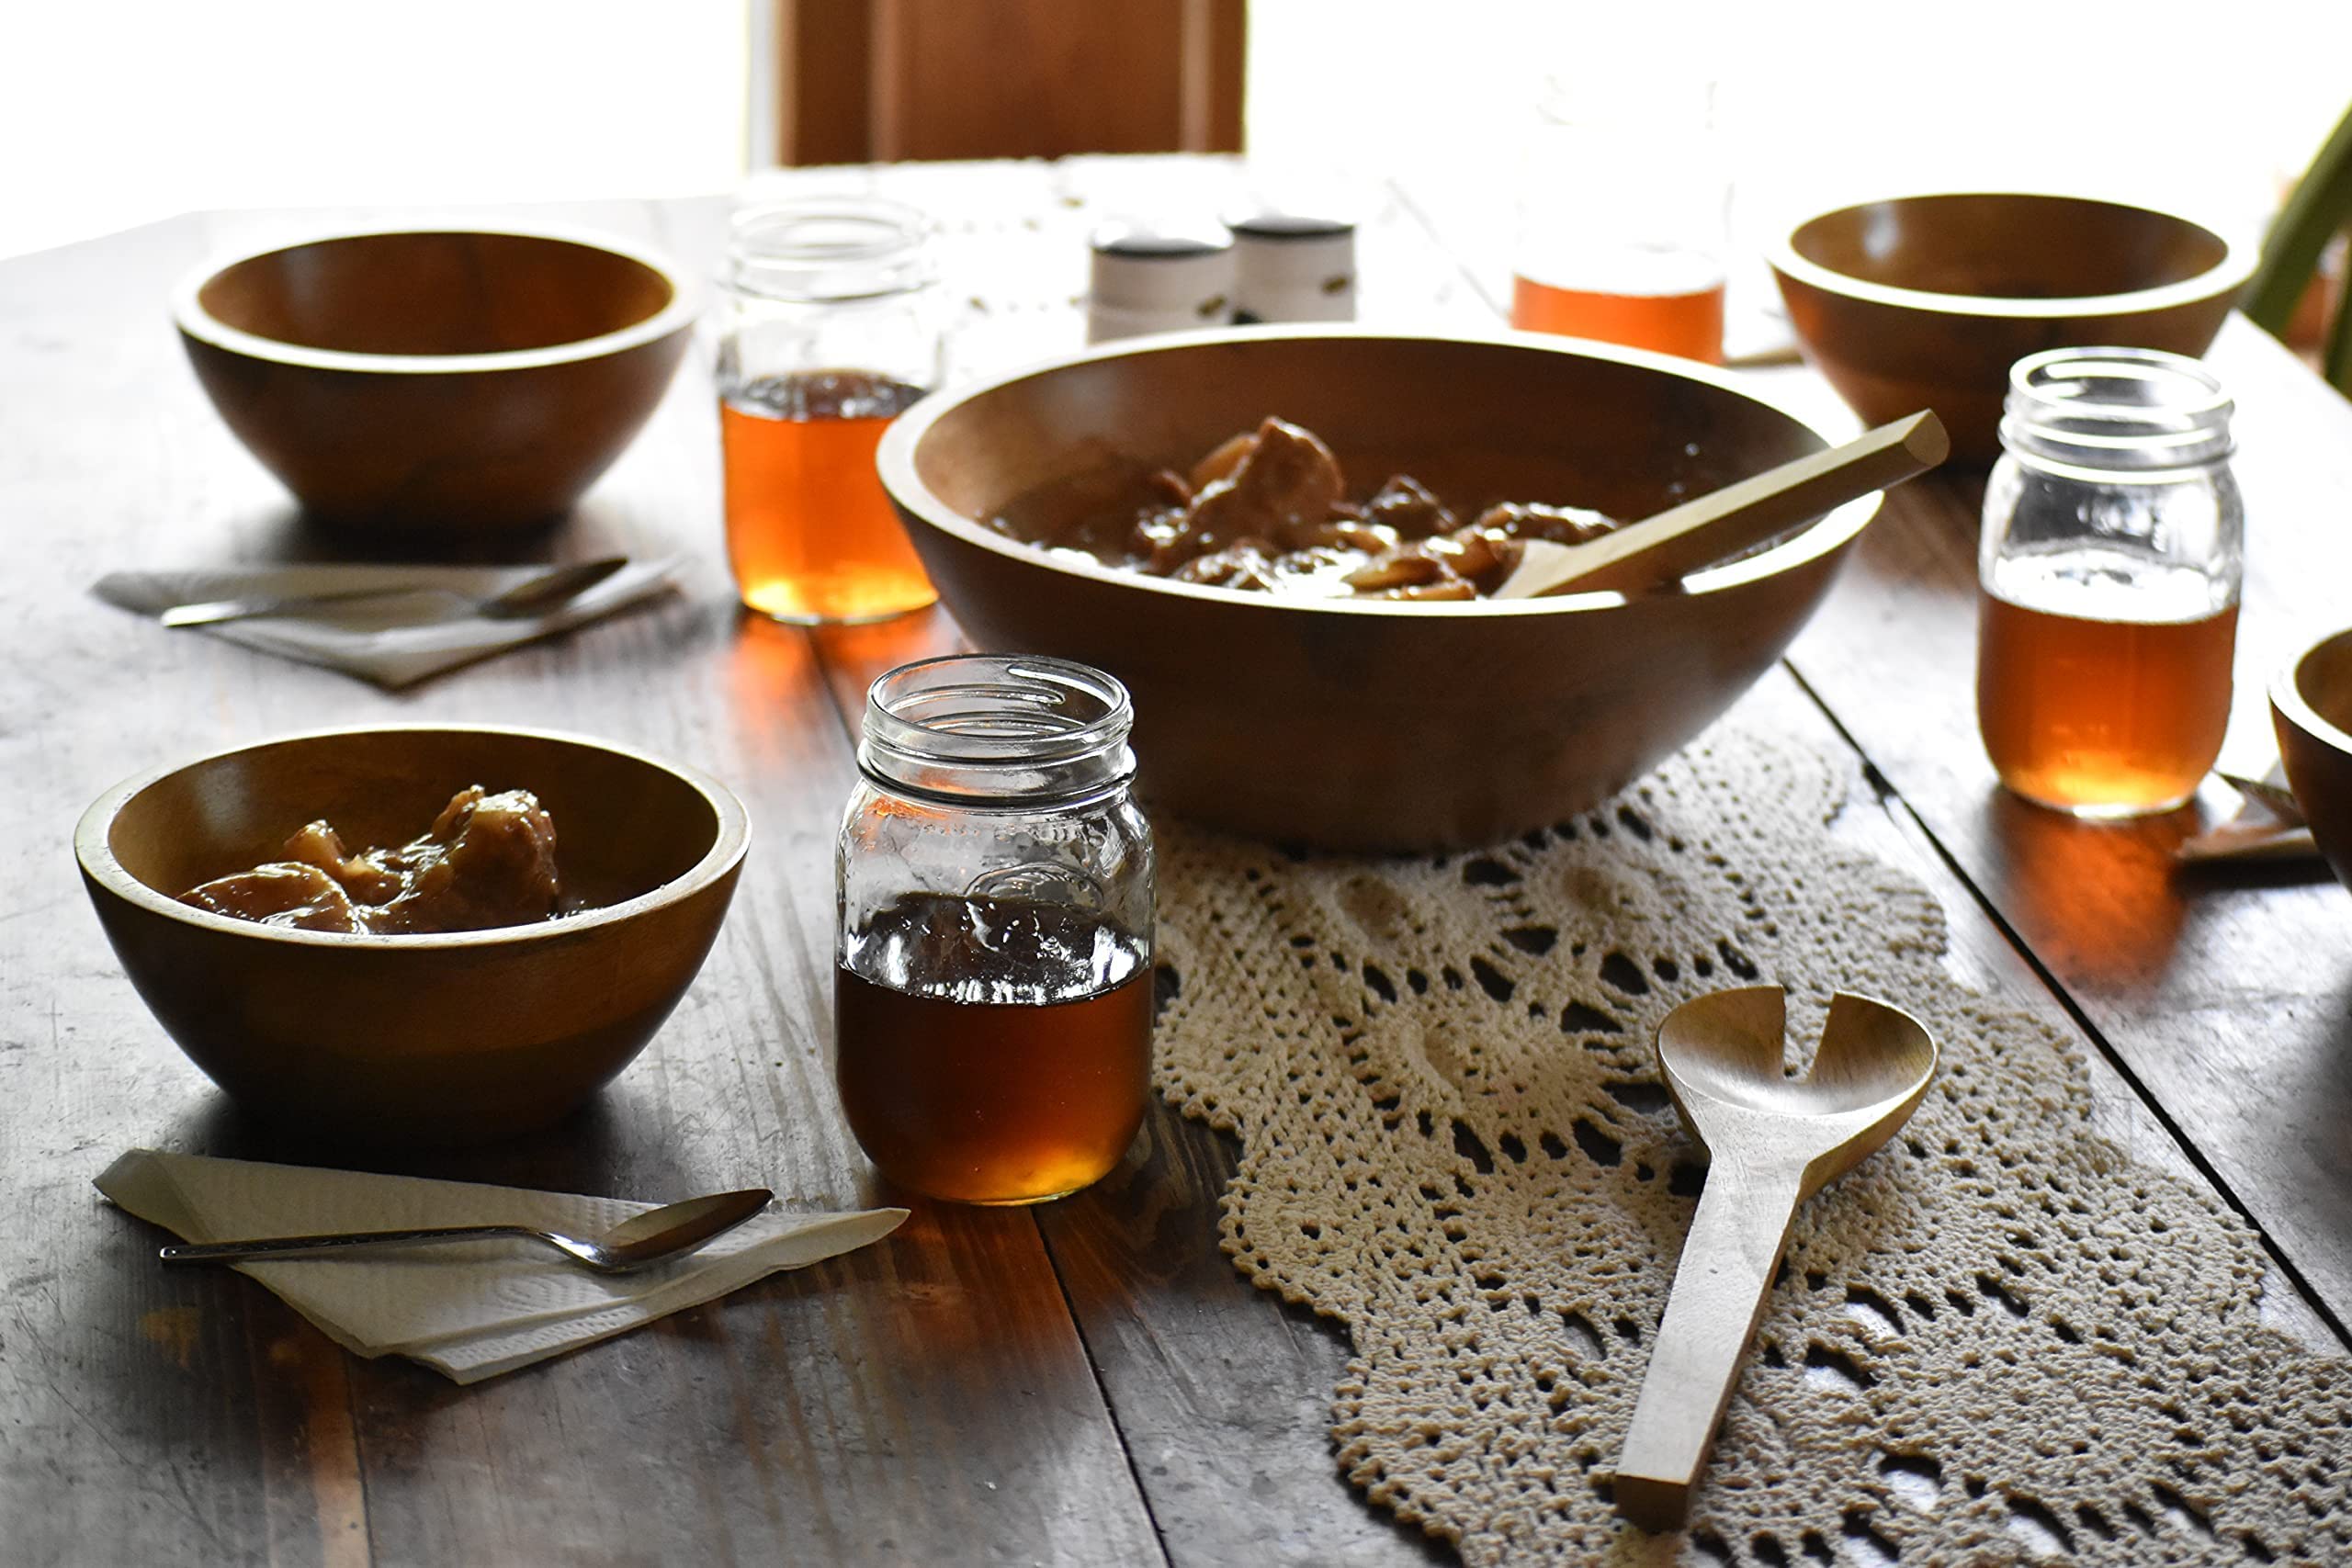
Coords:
pixel 1996 1341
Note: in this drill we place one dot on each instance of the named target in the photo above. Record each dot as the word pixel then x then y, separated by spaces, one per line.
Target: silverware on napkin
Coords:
pixel 638 1242
pixel 478 1311
pixel 393 626
pixel 536 596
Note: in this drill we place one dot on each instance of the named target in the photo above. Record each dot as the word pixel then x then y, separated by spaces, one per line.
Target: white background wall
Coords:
pixel 2215 105
pixel 114 112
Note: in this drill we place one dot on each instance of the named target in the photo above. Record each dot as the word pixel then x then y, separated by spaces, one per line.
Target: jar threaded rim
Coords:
pixel 819 250
pixel 2130 410
pixel 1010 727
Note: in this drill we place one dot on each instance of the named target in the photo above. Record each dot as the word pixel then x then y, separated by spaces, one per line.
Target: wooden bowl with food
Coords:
pixel 437 381
pixel 2311 709
pixel 1088 508
pixel 1924 301
pixel 426 934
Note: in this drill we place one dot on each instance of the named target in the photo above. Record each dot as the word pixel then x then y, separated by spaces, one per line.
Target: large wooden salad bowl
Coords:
pixel 1374 726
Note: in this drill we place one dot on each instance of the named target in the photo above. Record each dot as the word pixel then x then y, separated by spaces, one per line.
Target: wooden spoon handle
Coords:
pixel 1720 1286
pixel 1643 557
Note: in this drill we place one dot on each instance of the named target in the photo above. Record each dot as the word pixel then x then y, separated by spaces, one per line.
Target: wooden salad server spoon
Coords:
pixel 1772 1142
pixel 1659 551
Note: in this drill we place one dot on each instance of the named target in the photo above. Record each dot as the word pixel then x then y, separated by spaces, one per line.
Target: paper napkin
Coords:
pixel 394 641
pixel 2267 826
pixel 471 1310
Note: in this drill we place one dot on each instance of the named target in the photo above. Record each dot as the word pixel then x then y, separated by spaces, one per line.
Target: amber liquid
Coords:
pixel 810 532
pixel 1690 325
pixel 992 1051
pixel 2095 715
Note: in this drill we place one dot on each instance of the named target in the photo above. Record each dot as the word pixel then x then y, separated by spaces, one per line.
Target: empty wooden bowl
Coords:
pixel 1365 725
pixel 1926 301
pixel 2311 709
pixel 437 382
pixel 434 1039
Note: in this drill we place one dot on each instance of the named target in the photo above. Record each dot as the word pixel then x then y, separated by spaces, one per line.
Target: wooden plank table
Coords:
pixel 1086 1383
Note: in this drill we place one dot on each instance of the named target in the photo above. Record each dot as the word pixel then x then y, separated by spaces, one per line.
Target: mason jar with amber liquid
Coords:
pixel 2112 553
pixel 830 334
pixel 1623 212
pixel 992 985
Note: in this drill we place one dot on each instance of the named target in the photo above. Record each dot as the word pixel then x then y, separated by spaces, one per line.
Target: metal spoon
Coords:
pixel 530 597
pixel 643 1239
pixel 1772 1142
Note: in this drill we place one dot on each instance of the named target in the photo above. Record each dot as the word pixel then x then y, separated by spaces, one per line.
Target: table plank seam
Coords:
pixel 1102 1388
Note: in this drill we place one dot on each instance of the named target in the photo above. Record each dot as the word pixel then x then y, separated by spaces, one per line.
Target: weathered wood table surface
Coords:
pixel 1086 1383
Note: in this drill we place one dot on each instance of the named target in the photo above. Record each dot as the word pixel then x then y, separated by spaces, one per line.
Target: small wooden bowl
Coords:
pixel 2311 709
pixel 1926 301
pixel 441 381
pixel 1370 725
pixel 444 1039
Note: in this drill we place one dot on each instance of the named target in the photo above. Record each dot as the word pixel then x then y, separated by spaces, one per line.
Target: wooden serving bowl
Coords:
pixel 1373 725
pixel 449 381
pixel 2311 709
pixel 440 1039
pixel 1924 301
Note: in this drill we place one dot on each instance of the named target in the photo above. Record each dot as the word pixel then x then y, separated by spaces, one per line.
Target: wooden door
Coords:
pixel 880 80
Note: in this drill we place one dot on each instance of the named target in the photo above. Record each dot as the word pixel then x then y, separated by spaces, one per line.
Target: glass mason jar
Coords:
pixel 829 333
pixel 2112 551
pixel 992 980
pixel 1623 214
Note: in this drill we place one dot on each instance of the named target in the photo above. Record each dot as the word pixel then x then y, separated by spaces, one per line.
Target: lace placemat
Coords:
pixel 1996 1341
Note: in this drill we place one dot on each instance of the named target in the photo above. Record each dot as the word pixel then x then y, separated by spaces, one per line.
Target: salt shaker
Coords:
pixel 1152 279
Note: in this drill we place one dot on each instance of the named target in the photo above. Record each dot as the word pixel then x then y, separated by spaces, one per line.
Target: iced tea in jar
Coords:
pixel 2112 551
pixel 992 981
pixel 1622 213
pixel 830 334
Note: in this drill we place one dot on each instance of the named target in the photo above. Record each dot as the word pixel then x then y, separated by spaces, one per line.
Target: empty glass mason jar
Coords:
pixel 829 333
pixel 992 982
pixel 2112 556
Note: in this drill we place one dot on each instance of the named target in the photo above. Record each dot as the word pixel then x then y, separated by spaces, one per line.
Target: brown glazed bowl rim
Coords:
pixel 684 305
pixel 2286 698
pixel 2224 277
pixel 729 841
pixel 895 461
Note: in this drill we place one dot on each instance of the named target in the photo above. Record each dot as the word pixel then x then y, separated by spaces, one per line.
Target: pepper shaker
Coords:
pixel 1291 267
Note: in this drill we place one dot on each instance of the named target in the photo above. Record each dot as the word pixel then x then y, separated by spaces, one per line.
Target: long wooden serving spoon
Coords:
pixel 1772 1142
pixel 1659 551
